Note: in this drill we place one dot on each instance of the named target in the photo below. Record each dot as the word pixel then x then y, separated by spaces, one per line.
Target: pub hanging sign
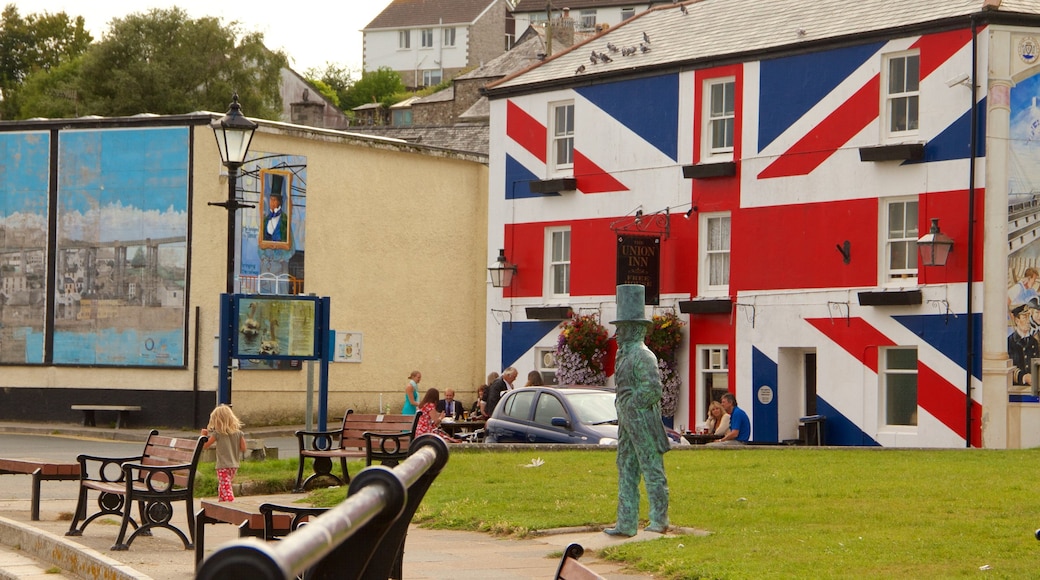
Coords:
pixel 639 262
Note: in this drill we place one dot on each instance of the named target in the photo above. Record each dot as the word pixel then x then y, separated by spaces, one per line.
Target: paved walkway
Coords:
pixel 29 549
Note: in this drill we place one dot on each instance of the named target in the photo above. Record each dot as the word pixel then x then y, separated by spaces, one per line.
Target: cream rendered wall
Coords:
pixel 396 236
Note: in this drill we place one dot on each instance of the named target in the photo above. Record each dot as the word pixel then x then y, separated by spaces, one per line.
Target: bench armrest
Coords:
pixel 108 469
pixel 382 446
pixel 320 440
pixel 157 478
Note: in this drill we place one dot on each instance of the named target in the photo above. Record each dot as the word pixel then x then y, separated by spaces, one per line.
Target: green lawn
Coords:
pixel 778 512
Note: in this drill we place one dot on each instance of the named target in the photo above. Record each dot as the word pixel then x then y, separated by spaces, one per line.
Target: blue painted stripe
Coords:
pixel 765 421
pixel 648 107
pixel 520 337
pixel 839 429
pixel 946 333
pixel 954 142
pixel 518 180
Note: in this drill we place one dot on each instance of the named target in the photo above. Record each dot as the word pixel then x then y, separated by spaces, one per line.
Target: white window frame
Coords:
pixel 448 37
pixel 425 38
pixel 712 250
pixel 558 262
pixel 432 77
pixel 899 245
pixel 718 117
pixel 545 362
pixel 587 20
pixel 712 359
pixel 404 39
pixel 900 93
pixel 885 376
pixel 561 138
pixel 627 13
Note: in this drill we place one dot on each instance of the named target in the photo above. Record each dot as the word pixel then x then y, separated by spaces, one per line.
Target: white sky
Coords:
pixel 311 33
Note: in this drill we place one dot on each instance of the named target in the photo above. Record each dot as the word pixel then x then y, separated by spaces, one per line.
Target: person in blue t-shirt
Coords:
pixel 739 425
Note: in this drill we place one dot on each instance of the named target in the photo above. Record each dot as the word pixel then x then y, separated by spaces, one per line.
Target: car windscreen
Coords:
pixel 593 407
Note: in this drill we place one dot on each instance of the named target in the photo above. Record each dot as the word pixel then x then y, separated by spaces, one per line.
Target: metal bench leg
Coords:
pixel 34 512
pixel 88 417
pixel 123 419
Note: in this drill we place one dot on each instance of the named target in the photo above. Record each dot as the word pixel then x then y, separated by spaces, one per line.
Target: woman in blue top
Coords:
pixel 411 394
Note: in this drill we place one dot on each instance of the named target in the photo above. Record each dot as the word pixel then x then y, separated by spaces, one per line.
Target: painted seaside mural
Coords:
pixel 23 245
pixel 273 236
pixel 122 215
pixel 113 293
pixel 1023 227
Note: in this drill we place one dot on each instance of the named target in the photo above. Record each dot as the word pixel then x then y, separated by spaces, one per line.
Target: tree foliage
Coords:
pixel 35 43
pixel 333 81
pixel 373 87
pixel 164 62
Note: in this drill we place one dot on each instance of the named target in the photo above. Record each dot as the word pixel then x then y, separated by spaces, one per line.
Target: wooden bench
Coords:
pixel 40 471
pixel 571 569
pixel 164 473
pixel 251 519
pixel 122 419
pixel 362 537
pixel 382 438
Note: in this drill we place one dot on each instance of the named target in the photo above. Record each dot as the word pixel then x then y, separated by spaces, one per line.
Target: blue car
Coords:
pixel 576 415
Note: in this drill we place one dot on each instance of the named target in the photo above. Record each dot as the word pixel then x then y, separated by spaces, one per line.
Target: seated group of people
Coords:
pixel 435 410
pixel 728 421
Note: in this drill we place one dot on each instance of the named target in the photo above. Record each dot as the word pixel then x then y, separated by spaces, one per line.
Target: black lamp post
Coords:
pixel 234 133
pixel 501 271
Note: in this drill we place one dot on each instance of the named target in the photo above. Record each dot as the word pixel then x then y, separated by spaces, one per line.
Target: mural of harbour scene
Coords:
pixel 23 245
pixel 121 250
pixel 122 247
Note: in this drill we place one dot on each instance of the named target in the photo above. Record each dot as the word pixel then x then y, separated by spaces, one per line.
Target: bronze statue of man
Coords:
pixel 642 440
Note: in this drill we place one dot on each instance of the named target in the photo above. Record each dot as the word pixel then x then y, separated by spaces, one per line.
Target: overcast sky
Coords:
pixel 311 33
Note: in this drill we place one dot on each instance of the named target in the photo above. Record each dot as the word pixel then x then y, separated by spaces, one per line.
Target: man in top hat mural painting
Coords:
pixel 642 440
pixel 276 222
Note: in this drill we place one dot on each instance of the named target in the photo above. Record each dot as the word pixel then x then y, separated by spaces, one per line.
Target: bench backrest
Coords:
pixel 355 425
pixel 161 451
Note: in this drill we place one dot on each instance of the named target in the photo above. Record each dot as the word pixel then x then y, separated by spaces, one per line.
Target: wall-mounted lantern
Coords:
pixel 935 246
pixel 501 271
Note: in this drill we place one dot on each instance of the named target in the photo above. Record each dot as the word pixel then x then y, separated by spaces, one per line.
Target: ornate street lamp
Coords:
pixel 501 271
pixel 234 133
pixel 935 246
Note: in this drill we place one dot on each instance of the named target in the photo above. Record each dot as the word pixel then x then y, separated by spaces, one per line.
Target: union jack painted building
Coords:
pixel 786 157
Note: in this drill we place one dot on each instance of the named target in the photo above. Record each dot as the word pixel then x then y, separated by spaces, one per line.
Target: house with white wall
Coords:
pixel 785 163
pixel 427 42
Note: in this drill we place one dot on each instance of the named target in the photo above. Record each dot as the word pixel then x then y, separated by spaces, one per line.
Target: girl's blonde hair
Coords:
pixel 223 420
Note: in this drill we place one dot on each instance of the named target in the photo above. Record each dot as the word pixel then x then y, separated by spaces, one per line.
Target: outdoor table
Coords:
pixel 454 427
pixel 701 438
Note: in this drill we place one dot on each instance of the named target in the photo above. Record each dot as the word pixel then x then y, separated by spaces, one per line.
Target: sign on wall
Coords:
pixel 639 262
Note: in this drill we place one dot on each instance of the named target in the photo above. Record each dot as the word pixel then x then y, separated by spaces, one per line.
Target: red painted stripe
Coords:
pixel 592 178
pixel 936 49
pixel 856 113
pixel 526 131
pixel 825 138
pixel 855 335
pixel 945 402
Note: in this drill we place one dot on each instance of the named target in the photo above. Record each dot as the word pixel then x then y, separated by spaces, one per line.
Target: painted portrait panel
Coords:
pixel 275 210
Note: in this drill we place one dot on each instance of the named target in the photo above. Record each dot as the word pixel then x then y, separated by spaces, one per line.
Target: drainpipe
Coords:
pixel 970 339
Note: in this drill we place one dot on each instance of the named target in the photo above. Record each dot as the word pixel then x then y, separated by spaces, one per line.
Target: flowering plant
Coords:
pixel 664 338
pixel 580 350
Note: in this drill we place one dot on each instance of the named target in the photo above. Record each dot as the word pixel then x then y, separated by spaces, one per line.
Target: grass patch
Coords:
pixel 784 512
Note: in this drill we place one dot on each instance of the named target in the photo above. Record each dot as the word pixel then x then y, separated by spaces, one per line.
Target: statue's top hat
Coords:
pixel 631 304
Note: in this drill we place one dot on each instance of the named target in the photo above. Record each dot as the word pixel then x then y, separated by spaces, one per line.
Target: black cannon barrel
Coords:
pixel 377 498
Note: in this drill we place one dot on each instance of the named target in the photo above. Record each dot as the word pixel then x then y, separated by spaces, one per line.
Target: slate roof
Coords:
pixel 714 30
pixel 462 137
pixel 539 5
pixel 407 13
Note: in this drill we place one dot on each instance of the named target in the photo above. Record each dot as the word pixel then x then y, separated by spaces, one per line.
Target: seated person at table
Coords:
pixel 430 417
pixel 477 410
pixel 718 419
pixel 449 406
pixel 739 424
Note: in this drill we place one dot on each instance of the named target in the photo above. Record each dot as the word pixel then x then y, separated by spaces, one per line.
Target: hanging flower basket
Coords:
pixel 664 337
pixel 580 350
